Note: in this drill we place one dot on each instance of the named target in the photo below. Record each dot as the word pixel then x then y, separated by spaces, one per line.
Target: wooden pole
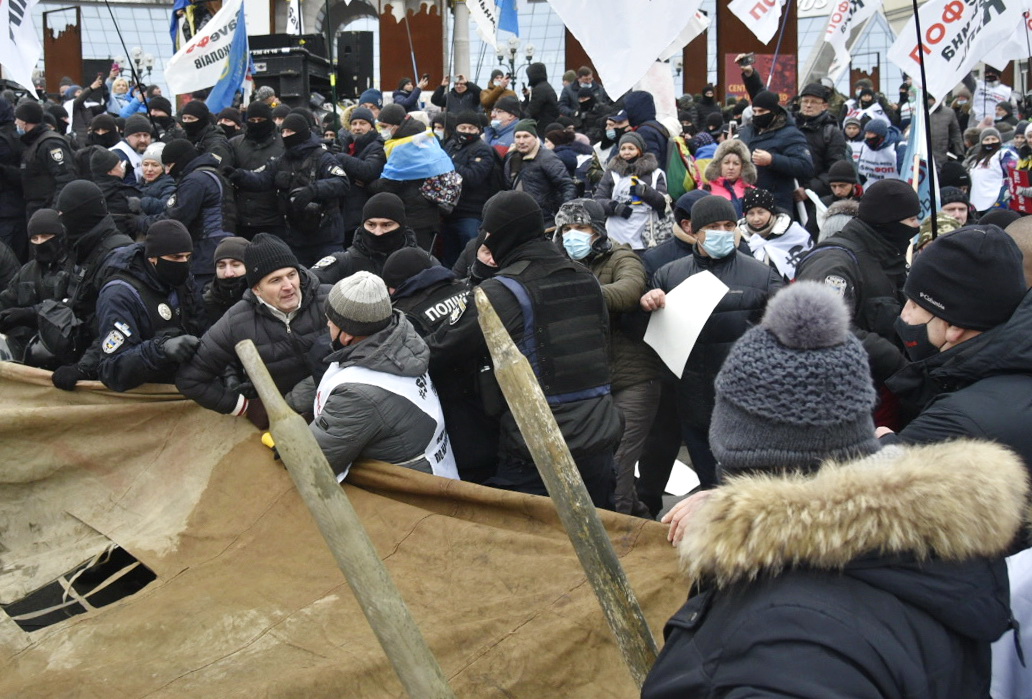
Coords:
pixel 377 595
pixel 565 486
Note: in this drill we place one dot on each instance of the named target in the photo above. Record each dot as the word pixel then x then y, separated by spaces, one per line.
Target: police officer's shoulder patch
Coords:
pixel 123 328
pixel 113 341
pixel 324 262
pixel 459 309
pixel 338 171
pixel 57 154
pixel 171 202
pixel 839 284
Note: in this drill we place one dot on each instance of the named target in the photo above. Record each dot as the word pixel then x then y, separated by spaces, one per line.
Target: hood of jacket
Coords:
pixel 640 106
pixel 892 137
pixel 737 147
pixel 642 166
pixel 918 522
pixel 423 280
pixel 536 73
pixel 397 349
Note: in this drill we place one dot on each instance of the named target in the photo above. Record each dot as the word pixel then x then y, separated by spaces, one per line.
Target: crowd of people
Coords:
pixel 139 245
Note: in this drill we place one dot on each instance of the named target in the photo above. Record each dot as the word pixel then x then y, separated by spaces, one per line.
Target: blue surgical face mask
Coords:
pixel 496 123
pixel 611 134
pixel 577 244
pixel 719 244
pixel 20 130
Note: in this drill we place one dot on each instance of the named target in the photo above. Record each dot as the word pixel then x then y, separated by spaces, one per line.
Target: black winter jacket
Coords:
pixel 542 104
pixel 363 167
pixel 544 177
pixel 827 145
pixel 641 113
pixel 12 204
pixel 751 283
pixel 360 257
pixel 475 162
pixel 791 158
pixel 452 101
pixel 212 140
pixel 257 209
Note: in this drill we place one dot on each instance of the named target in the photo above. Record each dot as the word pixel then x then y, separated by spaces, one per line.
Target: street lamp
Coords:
pixel 144 62
pixel 508 52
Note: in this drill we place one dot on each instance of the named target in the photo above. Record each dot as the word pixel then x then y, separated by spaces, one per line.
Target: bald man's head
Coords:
pixel 1021 231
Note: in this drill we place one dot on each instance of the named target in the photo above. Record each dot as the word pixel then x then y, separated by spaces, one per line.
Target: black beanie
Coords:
pixel 167 237
pixel 509 105
pixel 259 110
pixel 404 264
pixel 198 109
pixel 511 219
pixel 30 112
pixel 392 115
pixel 815 90
pixel 231 114
pixel 160 103
pixel 179 153
pixel 281 111
pixel 137 123
pixel 231 248
pixel 712 210
pixel 103 121
pixel 766 99
pixel 82 207
pixel 385 205
pixel 714 122
pixel 841 171
pixel 46 222
pixel 888 201
pixel 468 118
pixel 972 278
pixel 298 124
pixel 265 254
pixel 758 197
pixel 952 195
pixel 101 161
pixel 999 217
pixel 954 174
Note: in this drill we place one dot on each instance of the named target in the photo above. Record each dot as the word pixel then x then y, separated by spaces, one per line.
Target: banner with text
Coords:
pixel 199 64
pixel 19 45
pixel 846 16
pixel 760 16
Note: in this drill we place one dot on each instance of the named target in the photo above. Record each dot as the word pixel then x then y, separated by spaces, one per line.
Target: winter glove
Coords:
pixel 65 377
pixel 16 318
pixel 134 205
pixel 301 197
pixel 282 179
pixel 180 349
pixel 233 175
pixel 636 190
pixel 624 210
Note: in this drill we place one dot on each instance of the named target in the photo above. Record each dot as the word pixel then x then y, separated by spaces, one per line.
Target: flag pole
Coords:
pixel 132 68
pixel 777 47
pixel 927 122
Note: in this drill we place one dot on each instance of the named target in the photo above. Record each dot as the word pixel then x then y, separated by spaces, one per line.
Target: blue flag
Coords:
pixel 507 16
pixel 233 73
pixel 916 161
pixel 173 28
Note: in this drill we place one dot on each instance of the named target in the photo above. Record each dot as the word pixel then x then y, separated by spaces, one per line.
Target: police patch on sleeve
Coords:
pixel 113 341
pixel 123 328
pixel 164 311
pixel 457 312
pixel 338 171
pixel 57 154
pixel 839 284
pixel 324 262
pixel 171 202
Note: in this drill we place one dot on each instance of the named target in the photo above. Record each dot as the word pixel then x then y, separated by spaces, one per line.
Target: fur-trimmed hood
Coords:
pixel 643 166
pixel 732 145
pixel 951 501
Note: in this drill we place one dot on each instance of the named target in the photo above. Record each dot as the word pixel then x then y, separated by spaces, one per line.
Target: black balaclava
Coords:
pixel 47 222
pixel 178 154
pixel 200 110
pixel 82 208
pixel 301 128
pixel 261 130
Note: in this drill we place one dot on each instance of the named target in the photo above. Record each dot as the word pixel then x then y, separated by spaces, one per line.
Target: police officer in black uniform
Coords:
pixel 254 150
pixel 46 166
pixel 422 289
pixel 147 313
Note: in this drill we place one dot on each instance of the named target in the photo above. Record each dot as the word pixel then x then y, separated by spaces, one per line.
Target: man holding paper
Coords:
pixel 724 315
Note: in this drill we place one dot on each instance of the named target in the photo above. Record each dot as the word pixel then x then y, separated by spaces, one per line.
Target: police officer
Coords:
pixel 253 150
pixel 148 319
pixel 46 165
pixel 422 289
pixel 12 205
pixel 310 184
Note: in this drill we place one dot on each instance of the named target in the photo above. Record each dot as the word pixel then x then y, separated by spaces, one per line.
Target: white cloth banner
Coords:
pixel 484 14
pixel 294 17
pixel 760 16
pixel 622 51
pixel 956 37
pixel 698 24
pixel 19 45
pixel 199 64
pixel 846 16
pixel 1016 47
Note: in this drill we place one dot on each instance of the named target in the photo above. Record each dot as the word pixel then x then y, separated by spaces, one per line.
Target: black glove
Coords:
pixel 65 377
pixel 301 197
pixel 180 349
pixel 234 176
pixel 624 210
pixel 636 190
pixel 134 205
pixel 282 179
pixel 235 384
pixel 17 317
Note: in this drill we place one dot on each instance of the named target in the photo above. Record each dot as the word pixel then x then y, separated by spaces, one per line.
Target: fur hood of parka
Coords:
pixel 951 501
pixel 642 166
pixel 735 146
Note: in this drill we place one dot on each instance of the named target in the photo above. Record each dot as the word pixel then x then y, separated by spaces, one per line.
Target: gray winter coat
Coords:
pixel 369 422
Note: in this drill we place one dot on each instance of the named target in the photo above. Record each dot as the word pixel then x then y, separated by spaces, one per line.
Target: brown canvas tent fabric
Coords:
pixel 248 600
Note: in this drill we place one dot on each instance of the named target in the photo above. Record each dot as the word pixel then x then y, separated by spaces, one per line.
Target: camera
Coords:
pixel 747 60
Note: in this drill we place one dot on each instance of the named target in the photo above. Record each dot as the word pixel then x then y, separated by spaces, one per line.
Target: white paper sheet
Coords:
pixel 674 329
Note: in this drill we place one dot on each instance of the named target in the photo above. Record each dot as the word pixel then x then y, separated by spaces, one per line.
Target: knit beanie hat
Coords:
pixel 878 127
pixel 101 161
pixel 972 278
pixel 404 264
pixel 712 209
pixel 765 99
pixel 231 114
pixel 46 222
pixel 103 121
pixel 528 125
pixel 359 304
pixel 852 120
pixel 281 111
pixel 160 103
pixel 392 115
pixel 954 174
pixel 259 110
pixel 757 197
pixel 82 206
pixel 509 105
pixel 265 254
pixel 714 123
pixel 385 205
pixel 231 248
pixel 179 153
pixel 137 123
pixel 999 217
pixel 154 152
pixel 30 112
pixel 363 114
pixel 167 237
pixel 702 139
pixel 198 109
pixel 952 195
pixel 582 212
pixel 841 171
pixel 298 124
pixel 511 219
pixel 888 201
pixel 684 204
pixel 634 139
pixel 795 390
pixel 837 216
pixel 986 133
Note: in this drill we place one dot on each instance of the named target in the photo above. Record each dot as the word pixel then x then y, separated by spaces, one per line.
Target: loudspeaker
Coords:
pixel 354 63
pixel 294 77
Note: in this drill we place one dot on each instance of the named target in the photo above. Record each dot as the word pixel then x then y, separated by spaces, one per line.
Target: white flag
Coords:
pixel 1016 46
pixel 484 14
pixel 760 16
pixel 294 17
pixel 845 17
pixel 199 64
pixel 956 37
pixel 19 46
pixel 696 26
pixel 622 51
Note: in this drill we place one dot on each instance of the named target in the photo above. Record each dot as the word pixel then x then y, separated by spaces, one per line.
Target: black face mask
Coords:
pixel 230 130
pixel 480 271
pixel 102 139
pixel 873 141
pixel 193 128
pixel 466 138
pixel 260 130
pixel 990 147
pixel 915 340
pixel 864 104
pixel 232 288
pixel 899 233
pixel 174 274
pixel 48 251
pixel 386 243
pixel 335 344
pixel 762 121
pixel 294 139
pixel 165 122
